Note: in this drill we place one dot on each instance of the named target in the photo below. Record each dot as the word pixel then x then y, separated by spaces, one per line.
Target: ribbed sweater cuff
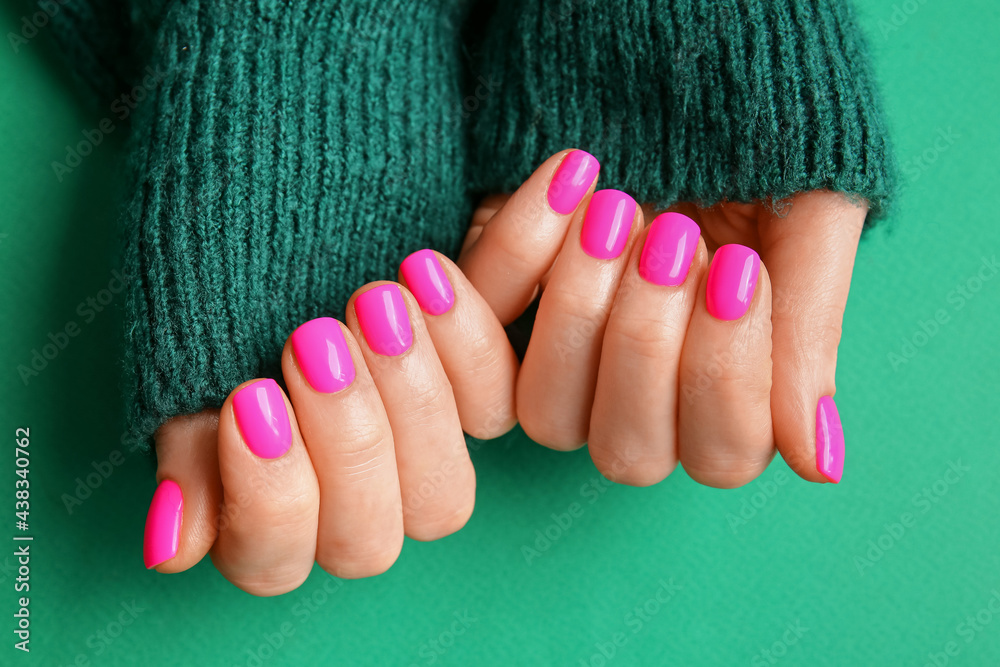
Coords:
pixel 681 100
pixel 287 154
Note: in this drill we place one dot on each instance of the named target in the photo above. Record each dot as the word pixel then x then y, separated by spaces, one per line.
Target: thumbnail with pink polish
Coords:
pixel 732 278
pixel 669 248
pixel 427 281
pixel 607 224
pixel 829 440
pixel 572 181
pixel 384 321
pixel 263 419
pixel 322 353
pixel 163 524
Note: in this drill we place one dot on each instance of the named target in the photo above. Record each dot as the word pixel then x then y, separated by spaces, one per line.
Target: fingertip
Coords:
pixel 320 352
pixel 423 273
pixel 575 176
pixel 182 520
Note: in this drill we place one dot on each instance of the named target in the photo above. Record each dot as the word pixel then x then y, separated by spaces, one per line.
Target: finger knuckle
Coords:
pixel 359 559
pixel 270 581
pixel 643 337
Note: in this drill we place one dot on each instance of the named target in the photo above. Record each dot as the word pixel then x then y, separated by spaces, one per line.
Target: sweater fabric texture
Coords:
pixel 285 153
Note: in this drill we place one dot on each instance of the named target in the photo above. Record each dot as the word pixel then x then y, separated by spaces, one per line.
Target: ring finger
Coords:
pixel 724 424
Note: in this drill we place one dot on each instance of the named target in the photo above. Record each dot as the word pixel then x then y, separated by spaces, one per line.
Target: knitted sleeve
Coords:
pixel 682 100
pixel 105 43
pixel 281 155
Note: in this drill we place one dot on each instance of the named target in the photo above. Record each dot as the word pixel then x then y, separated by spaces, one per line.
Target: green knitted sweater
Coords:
pixel 284 153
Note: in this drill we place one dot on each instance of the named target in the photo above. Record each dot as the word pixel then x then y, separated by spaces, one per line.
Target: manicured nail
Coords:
pixel 829 440
pixel 607 224
pixel 384 321
pixel 163 524
pixel 428 282
pixel 322 353
pixel 732 278
pixel 263 419
pixel 669 248
pixel 572 180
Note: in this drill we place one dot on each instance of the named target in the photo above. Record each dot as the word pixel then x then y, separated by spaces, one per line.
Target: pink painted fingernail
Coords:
pixel 732 278
pixel 263 419
pixel 322 353
pixel 607 224
pixel 572 180
pixel 428 282
pixel 163 524
pixel 829 440
pixel 668 250
pixel 384 320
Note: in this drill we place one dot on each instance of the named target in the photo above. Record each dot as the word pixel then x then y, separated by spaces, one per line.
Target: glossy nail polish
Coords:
pixel 732 278
pixel 572 181
pixel 829 440
pixel 669 248
pixel 384 320
pixel 427 281
pixel 321 352
pixel 263 419
pixel 163 524
pixel 607 224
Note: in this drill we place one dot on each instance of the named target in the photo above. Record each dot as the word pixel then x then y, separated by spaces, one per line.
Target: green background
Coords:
pixel 791 558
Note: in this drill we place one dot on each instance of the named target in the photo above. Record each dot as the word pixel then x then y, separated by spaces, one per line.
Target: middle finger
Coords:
pixel 555 389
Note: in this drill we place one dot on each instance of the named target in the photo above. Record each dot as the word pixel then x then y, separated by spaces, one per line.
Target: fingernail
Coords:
pixel 607 224
pixel 163 524
pixel 322 353
pixel 384 321
pixel 572 180
pixel 263 419
pixel 732 278
pixel 669 248
pixel 428 282
pixel 829 440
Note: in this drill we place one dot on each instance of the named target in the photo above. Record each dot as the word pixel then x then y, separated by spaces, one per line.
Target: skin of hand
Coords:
pixel 645 373
pixel 640 370
pixel 367 445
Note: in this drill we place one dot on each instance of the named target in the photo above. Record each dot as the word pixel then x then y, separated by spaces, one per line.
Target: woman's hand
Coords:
pixel 366 447
pixel 659 344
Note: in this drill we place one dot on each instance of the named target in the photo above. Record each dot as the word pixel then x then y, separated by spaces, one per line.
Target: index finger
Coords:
pixel 518 245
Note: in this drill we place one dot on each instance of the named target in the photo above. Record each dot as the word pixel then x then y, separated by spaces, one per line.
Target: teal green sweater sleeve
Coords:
pixel 282 155
pixel 682 100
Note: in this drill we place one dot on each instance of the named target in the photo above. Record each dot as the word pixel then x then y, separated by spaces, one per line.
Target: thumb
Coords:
pixel 810 256
pixel 506 255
